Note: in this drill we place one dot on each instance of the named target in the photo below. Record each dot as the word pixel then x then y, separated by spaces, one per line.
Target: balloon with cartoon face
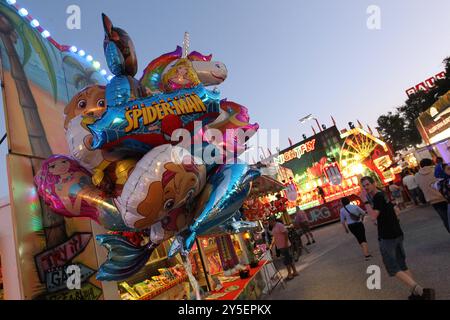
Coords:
pixel 89 102
pixel 163 182
pixel 66 187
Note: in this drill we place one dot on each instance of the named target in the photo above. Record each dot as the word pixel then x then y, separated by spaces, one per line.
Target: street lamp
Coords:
pixel 311 117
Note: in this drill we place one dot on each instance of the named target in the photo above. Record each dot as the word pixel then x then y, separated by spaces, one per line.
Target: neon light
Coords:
pixel 297 152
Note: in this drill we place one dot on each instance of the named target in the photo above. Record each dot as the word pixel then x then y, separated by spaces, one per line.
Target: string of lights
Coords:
pixel 23 12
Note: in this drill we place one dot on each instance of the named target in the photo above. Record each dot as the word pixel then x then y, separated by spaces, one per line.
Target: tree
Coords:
pixel 13 28
pixel 400 128
pixel 392 127
pixel 85 76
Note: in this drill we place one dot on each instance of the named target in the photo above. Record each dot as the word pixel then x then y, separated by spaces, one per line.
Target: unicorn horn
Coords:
pixel 186 43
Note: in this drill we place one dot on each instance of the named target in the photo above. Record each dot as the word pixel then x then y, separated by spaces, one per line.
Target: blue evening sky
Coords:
pixel 286 58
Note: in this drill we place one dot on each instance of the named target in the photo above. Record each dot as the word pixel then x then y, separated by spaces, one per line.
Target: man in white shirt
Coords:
pixel 414 191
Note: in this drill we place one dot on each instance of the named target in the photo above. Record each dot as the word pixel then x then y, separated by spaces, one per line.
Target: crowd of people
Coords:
pixel 427 185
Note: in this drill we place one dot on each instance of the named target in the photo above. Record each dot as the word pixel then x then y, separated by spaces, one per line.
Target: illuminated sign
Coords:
pixel 434 123
pixel 425 85
pixel 296 152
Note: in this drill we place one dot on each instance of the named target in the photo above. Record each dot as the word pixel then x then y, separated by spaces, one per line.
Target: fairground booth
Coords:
pixel 318 171
pixel 434 127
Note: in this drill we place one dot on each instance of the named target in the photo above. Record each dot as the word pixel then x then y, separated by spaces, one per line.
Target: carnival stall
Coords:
pixel 327 166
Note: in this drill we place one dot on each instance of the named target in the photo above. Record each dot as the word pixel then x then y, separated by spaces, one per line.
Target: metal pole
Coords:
pixel 317 121
pixel 3 139
pixel 200 254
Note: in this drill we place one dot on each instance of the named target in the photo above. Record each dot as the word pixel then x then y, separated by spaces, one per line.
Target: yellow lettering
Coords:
pixel 198 102
pixel 151 114
pixel 192 104
pixel 159 112
pixel 179 109
pixel 166 108
pixel 145 115
pixel 188 104
pixel 183 106
pixel 130 120
pixel 137 113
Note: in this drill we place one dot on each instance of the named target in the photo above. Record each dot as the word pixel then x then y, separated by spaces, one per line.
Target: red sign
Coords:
pixel 61 254
pixel 328 212
pixel 426 85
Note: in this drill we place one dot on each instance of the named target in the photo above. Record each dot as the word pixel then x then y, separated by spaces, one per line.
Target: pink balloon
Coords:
pixel 66 187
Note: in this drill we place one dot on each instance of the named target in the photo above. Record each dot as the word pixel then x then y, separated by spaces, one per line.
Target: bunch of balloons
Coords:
pixel 127 172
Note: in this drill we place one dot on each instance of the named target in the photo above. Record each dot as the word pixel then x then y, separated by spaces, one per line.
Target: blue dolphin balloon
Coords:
pixel 225 192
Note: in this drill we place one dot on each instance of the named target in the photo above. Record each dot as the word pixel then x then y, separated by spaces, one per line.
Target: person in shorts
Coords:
pixel 390 237
pixel 281 241
pixel 352 219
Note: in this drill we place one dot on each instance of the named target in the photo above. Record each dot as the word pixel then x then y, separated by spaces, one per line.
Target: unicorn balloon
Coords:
pixel 190 69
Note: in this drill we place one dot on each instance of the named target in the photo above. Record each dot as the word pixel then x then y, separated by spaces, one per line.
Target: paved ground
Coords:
pixel 335 268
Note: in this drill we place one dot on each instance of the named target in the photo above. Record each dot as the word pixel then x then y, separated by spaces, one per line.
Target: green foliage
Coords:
pixel 31 39
pixel 399 128
pixel 85 77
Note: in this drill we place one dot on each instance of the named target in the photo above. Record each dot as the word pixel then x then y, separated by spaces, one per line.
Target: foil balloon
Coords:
pixel 89 102
pixel 142 124
pixel 180 76
pixel 124 61
pixel 67 189
pixel 122 135
pixel 169 197
pixel 124 258
pixel 234 125
pixel 121 58
pixel 83 109
pixel 200 68
pixel 223 195
pixel 163 182
pixel 232 116
pixel 86 106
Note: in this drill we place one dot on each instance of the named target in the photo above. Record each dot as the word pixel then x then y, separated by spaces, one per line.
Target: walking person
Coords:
pixel 443 186
pixel 397 196
pixel 301 223
pixel 409 181
pixel 439 171
pixel 426 179
pixel 281 241
pixel 390 237
pixel 352 218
